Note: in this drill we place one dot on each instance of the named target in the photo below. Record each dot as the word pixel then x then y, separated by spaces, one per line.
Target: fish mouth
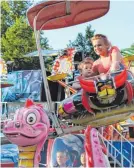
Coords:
pixel 16 135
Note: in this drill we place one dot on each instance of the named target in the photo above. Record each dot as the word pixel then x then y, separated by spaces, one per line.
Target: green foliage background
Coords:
pixel 83 42
pixel 17 36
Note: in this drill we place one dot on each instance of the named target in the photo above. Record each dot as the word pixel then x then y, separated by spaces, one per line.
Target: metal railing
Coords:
pixel 120 151
pixel 120 155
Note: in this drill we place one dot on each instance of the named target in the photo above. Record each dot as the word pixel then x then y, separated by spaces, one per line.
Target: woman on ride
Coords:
pixel 110 57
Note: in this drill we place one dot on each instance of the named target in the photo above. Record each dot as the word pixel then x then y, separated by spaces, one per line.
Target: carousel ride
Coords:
pixel 102 101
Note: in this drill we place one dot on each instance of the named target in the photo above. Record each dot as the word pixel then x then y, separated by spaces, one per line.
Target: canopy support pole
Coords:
pixel 51 112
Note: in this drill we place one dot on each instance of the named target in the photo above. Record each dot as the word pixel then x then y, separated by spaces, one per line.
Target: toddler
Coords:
pixel 85 69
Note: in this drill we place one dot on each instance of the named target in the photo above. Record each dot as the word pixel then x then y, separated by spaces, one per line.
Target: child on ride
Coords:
pixel 68 104
pixel 110 57
pixel 85 69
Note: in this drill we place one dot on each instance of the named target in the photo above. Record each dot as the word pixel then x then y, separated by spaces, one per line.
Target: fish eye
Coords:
pixel 31 118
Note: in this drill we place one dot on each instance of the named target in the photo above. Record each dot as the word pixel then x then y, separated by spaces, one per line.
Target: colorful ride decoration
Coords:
pixel 3 68
pixel 129 61
pixel 106 92
pixel 27 84
pixel 95 150
pixel 63 67
pixel 108 132
pixel 29 130
pixel 71 144
pixel 101 97
pixel 3 75
pixel 123 128
pixel 75 145
pixel 58 14
pixel 128 52
pixel 64 62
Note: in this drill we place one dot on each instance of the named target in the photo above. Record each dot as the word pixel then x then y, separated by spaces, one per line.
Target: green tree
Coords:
pixel 18 40
pixel 79 43
pixel 10 11
pixel 44 41
pixel 89 34
pixel 17 36
pixel 83 43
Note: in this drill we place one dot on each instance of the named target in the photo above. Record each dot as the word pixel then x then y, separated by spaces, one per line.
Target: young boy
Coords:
pixel 85 69
pixel 61 159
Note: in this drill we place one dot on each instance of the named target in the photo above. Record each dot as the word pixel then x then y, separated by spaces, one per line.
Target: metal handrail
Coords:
pixel 110 143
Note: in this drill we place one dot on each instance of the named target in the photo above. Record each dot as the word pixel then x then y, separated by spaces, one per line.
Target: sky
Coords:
pixel 117 25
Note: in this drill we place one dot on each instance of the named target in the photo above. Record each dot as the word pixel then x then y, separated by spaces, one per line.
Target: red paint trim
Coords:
pixel 120 79
pixel 85 102
pixel 87 85
pixel 129 89
pixel 49 150
pixel 29 103
pixel 88 148
pixel 7 164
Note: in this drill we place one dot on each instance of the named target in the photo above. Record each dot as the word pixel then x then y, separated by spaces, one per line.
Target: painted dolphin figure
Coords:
pixel 29 130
